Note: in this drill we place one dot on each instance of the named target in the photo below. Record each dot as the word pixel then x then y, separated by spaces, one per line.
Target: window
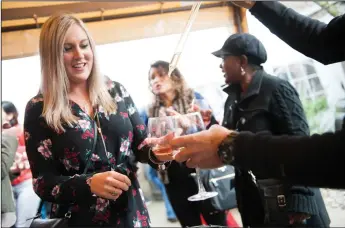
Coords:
pixel 302 75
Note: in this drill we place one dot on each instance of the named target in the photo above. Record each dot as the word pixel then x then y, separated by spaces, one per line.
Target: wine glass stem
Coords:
pixel 200 185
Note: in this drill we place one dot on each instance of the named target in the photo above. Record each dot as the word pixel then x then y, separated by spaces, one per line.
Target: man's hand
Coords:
pixel 200 149
pixel 245 4
pixel 165 153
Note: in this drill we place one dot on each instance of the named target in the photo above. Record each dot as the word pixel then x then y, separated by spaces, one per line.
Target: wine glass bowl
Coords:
pixel 157 128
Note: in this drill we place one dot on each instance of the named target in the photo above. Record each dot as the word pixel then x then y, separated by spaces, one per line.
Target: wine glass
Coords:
pixel 191 123
pixel 159 127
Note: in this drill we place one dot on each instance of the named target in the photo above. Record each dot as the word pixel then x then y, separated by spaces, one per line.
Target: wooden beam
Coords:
pixel 243 18
pixel 97 14
pixel 79 7
pixel 25 43
pixel 240 19
pixel 139 9
pixel 21 4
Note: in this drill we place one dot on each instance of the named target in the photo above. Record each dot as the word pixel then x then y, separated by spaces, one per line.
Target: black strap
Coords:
pixel 85 169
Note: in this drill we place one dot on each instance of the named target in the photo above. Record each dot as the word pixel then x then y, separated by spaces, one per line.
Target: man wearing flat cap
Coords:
pixel 259 102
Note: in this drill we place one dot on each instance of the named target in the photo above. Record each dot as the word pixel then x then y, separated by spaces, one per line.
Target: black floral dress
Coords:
pixel 58 160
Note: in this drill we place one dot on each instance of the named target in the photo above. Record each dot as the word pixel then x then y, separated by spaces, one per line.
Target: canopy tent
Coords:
pixel 111 22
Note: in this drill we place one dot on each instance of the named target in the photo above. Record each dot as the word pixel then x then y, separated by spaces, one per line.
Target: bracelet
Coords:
pixel 161 165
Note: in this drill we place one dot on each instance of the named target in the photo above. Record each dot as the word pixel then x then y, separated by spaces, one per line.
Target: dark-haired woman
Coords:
pixel 171 94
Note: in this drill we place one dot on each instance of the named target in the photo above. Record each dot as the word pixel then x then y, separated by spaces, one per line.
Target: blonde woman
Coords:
pixel 60 131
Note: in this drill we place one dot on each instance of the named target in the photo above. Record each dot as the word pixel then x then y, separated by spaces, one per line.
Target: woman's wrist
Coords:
pixel 154 159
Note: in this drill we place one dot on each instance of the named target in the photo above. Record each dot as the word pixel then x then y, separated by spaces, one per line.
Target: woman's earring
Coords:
pixel 242 71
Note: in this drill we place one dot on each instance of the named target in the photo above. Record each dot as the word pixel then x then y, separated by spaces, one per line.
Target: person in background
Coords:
pixel 26 200
pixel 172 96
pixel 300 157
pixel 260 102
pixel 76 104
pixel 8 148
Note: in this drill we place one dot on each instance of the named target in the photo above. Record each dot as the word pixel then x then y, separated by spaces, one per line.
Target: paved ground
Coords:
pixel 158 216
pixel 335 203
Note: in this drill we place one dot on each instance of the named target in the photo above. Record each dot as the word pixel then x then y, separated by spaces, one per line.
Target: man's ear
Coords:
pixel 244 61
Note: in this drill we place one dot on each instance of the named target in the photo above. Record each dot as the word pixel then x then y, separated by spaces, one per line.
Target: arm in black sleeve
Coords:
pixel 315 39
pixel 313 161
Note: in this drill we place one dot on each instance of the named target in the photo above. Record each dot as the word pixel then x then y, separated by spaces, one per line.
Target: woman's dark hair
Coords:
pixel 165 66
pixel 176 76
pixel 184 94
pixel 10 108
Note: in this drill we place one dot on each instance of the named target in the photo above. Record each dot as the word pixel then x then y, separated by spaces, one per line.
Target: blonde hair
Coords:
pixel 55 83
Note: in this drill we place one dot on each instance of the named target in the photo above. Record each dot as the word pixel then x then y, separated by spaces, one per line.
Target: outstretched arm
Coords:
pixel 315 39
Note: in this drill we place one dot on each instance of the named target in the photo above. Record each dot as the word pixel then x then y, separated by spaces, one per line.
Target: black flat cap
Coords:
pixel 243 44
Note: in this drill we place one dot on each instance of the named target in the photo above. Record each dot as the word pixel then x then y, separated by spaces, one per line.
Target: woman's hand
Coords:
pixel 109 185
pixel 205 114
pixel 172 112
pixel 184 123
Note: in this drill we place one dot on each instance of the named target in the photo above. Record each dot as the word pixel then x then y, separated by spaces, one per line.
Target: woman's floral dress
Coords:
pixel 58 160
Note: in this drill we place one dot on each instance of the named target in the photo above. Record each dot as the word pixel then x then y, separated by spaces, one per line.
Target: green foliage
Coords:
pixel 313 110
pixel 313 107
pixel 329 7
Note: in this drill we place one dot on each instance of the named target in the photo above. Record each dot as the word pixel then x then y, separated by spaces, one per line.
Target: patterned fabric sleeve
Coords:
pixel 139 128
pixel 48 182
